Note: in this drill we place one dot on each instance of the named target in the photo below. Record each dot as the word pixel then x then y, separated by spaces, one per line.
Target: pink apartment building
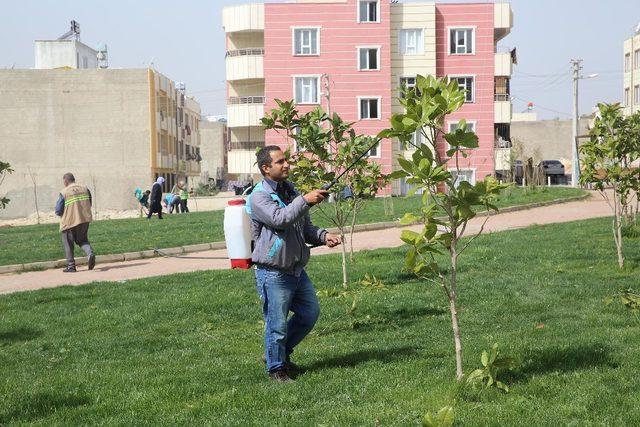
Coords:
pixel 351 56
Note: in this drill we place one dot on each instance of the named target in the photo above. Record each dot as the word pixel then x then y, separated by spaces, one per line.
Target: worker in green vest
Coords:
pixel 184 196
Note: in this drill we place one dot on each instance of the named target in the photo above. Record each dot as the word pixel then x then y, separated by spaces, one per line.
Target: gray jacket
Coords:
pixel 280 231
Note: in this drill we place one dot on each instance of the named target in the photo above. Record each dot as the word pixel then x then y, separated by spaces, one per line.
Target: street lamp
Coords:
pixel 575 169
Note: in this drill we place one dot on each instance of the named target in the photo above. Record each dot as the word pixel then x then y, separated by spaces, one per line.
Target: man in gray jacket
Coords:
pixel 281 229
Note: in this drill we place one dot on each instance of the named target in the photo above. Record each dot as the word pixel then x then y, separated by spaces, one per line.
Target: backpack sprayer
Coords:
pixel 237 220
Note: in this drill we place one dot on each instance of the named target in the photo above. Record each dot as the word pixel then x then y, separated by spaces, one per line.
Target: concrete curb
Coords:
pixel 130 256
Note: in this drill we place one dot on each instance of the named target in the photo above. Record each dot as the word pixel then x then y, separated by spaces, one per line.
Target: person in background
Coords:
pixel 155 199
pixel 184 196
pixel 74 209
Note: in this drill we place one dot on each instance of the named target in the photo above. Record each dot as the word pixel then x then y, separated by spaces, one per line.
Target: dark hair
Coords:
pixel 69 177
pixel 263 156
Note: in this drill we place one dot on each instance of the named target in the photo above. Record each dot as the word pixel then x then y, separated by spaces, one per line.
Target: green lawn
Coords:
pixel 42 242
pixel 185 349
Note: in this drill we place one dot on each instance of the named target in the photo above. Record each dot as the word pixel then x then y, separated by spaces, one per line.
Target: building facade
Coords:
pixel 213 143
pixel 631 69
pixel 352 56
pixel 115 129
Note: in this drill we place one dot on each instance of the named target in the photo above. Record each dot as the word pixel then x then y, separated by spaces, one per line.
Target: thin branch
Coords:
pixel 476 236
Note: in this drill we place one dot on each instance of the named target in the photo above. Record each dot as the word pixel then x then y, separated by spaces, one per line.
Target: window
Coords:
pixel 627 63
pixel 306 89
pixel 375 151
pixel 368 58
pixel 461 41
pixel 453 126
pixel 409 83
pixel 466 84
pixel 636 95
pixel 627 100
pixel 417 139
pixel 411 42
pixel 468 175
pixel 368 11
pixel 306 41
pixel 636 59
pixel 471 126
pixel 369 108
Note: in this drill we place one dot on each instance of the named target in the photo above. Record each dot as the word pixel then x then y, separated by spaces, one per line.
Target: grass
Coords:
pixel 42 242
pixel 185 349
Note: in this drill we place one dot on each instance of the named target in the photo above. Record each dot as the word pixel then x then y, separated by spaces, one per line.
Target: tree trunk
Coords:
pixel 353 224
pixel 345 282
pixel 617 227
pixel 454 313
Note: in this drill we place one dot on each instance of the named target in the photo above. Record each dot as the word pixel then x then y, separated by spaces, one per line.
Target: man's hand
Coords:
pixel 332 240
pixel 315 197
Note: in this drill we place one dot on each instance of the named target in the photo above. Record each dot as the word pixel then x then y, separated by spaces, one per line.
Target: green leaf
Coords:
pixel 484 358
pixel 410 237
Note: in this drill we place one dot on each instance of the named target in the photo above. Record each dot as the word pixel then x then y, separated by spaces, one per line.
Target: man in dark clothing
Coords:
pixel 155 200
pixel 74 209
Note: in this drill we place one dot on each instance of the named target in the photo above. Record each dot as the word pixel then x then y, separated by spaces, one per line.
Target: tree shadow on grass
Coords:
pixel 356 358
pixel 564 360
pixel 41 405
pixel 413 313
pixel 18 335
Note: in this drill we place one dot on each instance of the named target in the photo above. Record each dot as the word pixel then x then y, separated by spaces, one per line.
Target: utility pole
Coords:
pixel 575 168
pixel 327 95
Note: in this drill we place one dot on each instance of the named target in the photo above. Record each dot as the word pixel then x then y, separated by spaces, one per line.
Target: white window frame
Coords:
pixel 627 62
pixel 636 95
pixel 473 40
pixel 359 48
pixel 473 174
pixel 627 97
pixel 450 124
pixel 419 41
pixel 359 18
pixel 636 59
pixel 362 98
pixel 378 149
pixel 293 39
pixel 316 76
pixel 473 86
pixel 415 78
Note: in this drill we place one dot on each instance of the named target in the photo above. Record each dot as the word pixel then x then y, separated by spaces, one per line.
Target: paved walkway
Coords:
pixel 592 207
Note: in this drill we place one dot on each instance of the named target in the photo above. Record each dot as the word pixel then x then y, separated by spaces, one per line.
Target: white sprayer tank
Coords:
pixel 237 234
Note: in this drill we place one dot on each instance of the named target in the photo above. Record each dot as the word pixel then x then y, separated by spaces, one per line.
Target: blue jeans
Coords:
pixel 281 293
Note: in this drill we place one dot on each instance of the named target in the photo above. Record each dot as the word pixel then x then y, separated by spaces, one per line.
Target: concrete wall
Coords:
pixel 212 149
pixel 546 139
pixel 64 53
pixel 94 123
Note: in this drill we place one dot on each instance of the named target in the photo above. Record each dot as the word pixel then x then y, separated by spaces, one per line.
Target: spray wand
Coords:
pixel 335 180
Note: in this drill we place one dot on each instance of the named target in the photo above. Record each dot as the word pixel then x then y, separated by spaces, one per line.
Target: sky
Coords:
pixel 185 41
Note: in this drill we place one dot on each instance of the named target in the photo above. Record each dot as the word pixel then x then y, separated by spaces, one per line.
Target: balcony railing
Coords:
pixel 502 143
pixel 245 145
pixel 502 97
pixel 254 51
pixel 236 100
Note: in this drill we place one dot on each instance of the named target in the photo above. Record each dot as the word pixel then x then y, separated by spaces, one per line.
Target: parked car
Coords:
pixel 552 167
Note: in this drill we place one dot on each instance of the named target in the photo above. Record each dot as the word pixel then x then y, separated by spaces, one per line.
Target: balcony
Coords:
pixel 245 64
pixel 503 66
pixel 245 145
pixel 245 17
pixel 503 21
pixel 245 111
pixel 502 111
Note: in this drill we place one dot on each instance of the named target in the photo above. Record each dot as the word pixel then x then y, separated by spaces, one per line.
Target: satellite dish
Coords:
pixel 638 28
